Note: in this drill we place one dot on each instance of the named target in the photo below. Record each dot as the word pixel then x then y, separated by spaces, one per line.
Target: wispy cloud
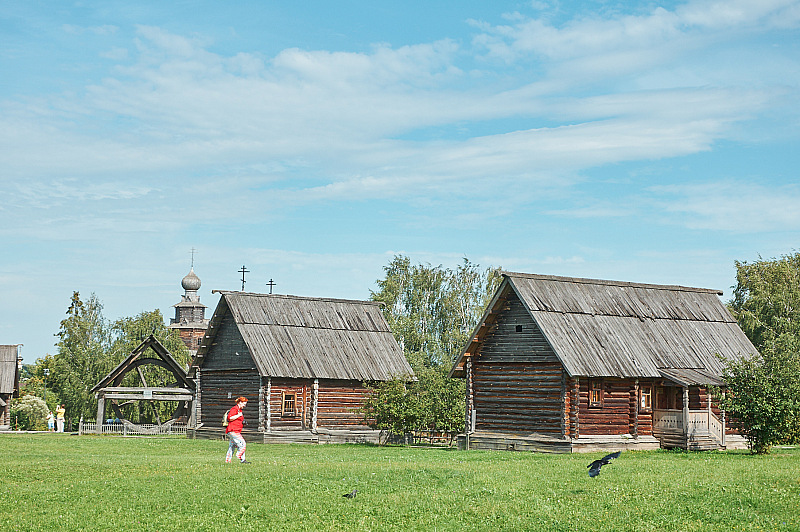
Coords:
pixel 732 206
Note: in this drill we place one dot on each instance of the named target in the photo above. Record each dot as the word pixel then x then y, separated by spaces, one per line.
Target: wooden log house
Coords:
pixel 301 362
pixel 9 382
pixel 564 364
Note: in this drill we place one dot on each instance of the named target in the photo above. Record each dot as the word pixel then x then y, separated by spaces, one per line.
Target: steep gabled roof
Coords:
pixel 616 329
pixel 8 367
pixel 302 337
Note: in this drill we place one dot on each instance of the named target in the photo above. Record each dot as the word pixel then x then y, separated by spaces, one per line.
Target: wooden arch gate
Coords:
pixel 181 390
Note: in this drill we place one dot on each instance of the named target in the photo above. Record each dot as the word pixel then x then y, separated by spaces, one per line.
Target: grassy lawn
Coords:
pixel 64 482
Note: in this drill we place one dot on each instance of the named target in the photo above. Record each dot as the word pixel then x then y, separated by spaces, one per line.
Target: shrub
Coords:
pixel 29 413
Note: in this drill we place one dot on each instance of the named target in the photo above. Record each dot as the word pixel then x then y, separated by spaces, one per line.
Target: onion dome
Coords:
pixel 191 281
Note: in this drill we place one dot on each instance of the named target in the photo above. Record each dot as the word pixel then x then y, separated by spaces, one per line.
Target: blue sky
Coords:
pixel 651 142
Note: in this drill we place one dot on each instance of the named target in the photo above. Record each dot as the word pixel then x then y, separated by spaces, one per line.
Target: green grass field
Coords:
pixel 64 482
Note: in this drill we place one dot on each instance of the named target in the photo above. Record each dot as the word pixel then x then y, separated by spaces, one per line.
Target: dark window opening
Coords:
pixel 519 328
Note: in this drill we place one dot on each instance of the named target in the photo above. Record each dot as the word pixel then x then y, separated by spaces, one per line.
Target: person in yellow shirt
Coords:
pixel 60 418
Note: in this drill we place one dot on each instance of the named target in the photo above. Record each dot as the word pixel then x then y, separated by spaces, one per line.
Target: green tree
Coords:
pixel 764 389
pixel 29 413
pixel 432 311
pixel 82 358
pixel 763 399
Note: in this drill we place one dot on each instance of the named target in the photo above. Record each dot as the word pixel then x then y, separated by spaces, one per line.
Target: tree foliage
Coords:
pixel 82 358
pixel 763 399
pixel 432 311
pixel 764 390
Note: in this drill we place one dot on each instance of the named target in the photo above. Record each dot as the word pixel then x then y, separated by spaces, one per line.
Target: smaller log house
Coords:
pixel 9 382
pixel 302 363
pixel 566 364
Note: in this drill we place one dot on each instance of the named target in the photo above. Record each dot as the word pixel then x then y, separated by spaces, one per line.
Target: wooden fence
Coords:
pixel 131 429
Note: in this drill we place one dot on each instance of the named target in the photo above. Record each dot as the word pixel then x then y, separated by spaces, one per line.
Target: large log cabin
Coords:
pixel 301 362
pixel 568 365
pixel 9 382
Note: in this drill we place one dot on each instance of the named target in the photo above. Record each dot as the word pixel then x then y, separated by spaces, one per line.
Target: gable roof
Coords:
pixel 617 329
pixel 303 337
pixel 165 359
pixel 8 368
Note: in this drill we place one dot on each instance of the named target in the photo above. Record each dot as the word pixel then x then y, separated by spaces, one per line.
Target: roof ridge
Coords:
pixel 581 280
pixel 290 296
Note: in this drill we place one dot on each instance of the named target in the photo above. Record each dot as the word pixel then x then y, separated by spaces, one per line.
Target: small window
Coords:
pixel 596 393
pixel 646 399
pixel 519 328
pixel 288 405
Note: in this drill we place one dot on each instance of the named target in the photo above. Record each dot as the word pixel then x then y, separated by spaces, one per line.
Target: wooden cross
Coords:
pixel 193 252
pixel 271 283
pixel 244 271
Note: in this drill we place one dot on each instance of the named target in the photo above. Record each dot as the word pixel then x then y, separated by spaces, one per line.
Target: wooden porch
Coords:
pixel 694 430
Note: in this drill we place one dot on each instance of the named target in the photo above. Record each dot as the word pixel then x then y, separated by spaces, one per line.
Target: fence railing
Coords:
pixel 699 422
pixel 132 429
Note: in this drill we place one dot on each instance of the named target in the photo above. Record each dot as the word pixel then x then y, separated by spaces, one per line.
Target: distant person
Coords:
pixel 60 417
pixel 51 421
pixel 234 431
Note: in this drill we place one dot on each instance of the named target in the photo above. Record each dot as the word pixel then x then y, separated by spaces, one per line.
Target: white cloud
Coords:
pixel 732 206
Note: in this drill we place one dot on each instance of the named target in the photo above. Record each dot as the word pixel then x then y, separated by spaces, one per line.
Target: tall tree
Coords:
pixel 764 389
pixel 82 357
pixel 431 310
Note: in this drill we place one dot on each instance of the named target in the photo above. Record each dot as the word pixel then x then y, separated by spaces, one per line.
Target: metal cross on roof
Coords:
pixel 271 283
pixel 244 271
pixel 193 252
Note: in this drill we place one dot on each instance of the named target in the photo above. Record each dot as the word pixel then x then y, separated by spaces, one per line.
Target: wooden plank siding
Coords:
pixel 517 379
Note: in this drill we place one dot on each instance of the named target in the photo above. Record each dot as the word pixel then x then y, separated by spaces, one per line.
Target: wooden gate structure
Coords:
pixel 181 390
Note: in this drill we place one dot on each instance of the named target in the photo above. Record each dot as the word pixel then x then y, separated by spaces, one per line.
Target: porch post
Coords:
pixel 686 411
pixel 722 414
pixel 101 411
pixel 269 404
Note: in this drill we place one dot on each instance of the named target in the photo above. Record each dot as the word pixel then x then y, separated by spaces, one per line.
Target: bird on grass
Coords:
pixel 350 495
pixel 594 467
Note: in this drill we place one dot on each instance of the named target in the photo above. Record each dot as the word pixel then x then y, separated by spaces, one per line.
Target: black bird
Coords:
pixel 594 467
pixel 351 494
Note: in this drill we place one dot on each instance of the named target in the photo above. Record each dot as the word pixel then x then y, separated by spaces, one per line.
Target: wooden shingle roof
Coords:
pixel 302 337
pixel 603 328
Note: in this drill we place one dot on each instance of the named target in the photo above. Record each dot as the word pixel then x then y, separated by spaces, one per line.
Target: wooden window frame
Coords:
pixel 646 398
pixel 293 412
pixel 596 387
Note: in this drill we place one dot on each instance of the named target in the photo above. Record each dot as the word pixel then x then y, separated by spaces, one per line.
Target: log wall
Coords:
pixel 516 377
pixel 614 415
pixel 340 404
pixel 220 388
